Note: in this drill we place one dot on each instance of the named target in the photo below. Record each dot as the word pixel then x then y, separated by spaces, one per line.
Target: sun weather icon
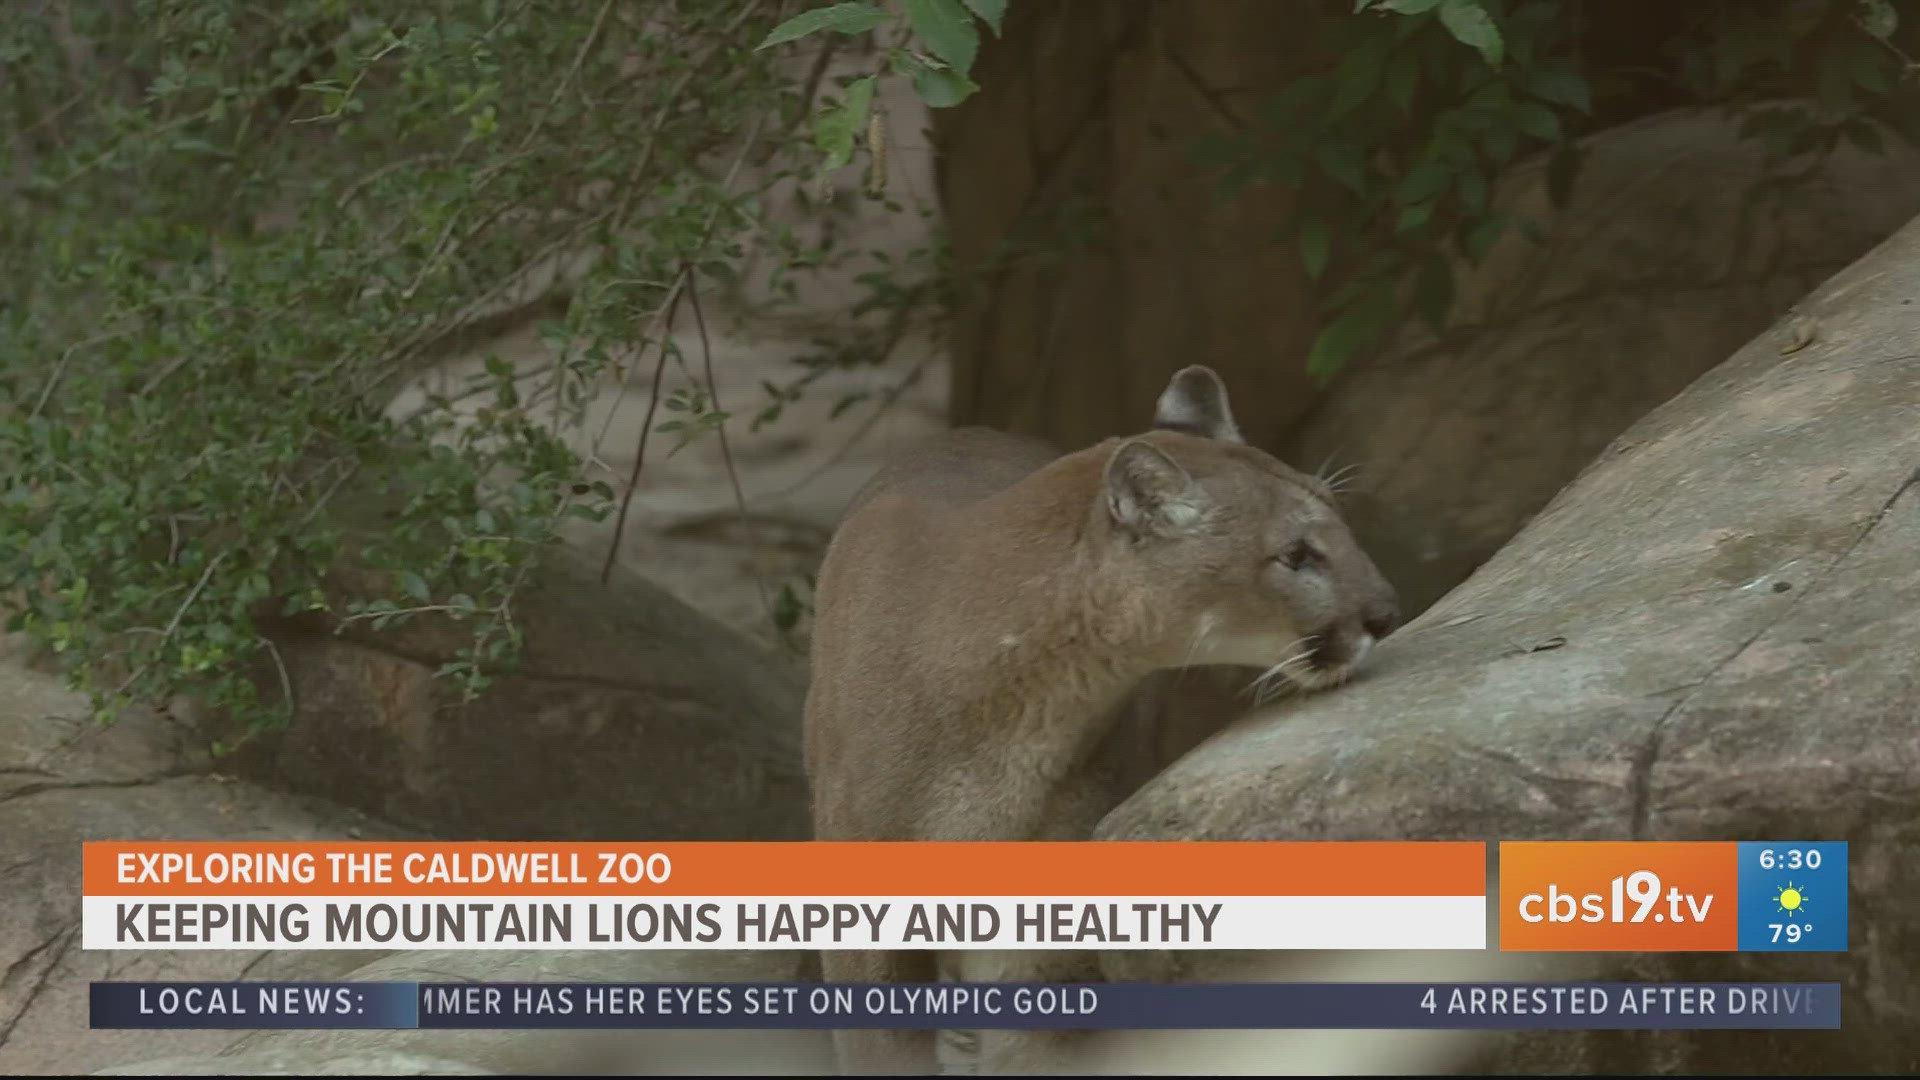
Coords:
pixel 1792 900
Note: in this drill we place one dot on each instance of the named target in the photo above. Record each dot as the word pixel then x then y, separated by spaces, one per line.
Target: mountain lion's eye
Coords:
pixel 1301 554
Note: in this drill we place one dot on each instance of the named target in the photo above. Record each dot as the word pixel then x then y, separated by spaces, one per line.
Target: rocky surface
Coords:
pixel 1709 635
pixel 64 780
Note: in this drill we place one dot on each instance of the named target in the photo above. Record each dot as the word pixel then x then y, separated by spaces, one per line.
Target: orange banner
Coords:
pixel 335 868
pixel 1619 897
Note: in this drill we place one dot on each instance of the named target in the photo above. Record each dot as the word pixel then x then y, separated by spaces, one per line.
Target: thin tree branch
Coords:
pixel 640 452
pixel 726 450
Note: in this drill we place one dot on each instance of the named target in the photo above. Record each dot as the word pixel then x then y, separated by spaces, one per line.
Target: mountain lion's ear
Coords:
pixel 1149 494
pixel 1195 401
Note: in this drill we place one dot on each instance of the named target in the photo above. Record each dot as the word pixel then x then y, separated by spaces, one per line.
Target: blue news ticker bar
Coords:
pixel 1054 1006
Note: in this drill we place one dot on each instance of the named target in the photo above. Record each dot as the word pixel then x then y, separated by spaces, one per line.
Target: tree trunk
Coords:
pixel 1095 256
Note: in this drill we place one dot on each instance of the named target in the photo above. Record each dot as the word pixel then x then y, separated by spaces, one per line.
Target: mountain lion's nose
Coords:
pixel 1381 621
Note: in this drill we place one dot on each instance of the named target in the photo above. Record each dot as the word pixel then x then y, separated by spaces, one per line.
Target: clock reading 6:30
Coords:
pixel 1790 859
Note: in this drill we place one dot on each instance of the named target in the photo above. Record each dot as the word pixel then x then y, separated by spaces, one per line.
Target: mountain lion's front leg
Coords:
pixel 882 1051
pixel 1008 1052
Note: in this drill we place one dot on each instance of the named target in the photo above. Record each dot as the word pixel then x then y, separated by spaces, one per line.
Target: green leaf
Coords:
pixel 1560 82
pixel 1481 237
pixel 1342 162
pixel 1470 25
pixel 1422 182
pixel 1315 242
pixel 1473 190
pixel 939 87
pixel 1414 216
pixel 993 11
pixel 1400 81
pixel 1878 18
pixel 943 88
pixel 947 29
pixel 1500 144
pixel 855 18
pixel 1411 7
pixel 1339 340
pixel 1538 121
pixel 1452 148
pixel 835 128
pixel 1358 76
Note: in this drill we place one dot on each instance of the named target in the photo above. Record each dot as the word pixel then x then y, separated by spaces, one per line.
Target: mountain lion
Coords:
pixel 987 606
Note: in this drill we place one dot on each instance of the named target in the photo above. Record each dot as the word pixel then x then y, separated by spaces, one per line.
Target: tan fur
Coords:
pixel 987 607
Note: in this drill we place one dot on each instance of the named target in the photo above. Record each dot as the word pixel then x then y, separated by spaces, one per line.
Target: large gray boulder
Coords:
pixel 1710 635
pixel 631 716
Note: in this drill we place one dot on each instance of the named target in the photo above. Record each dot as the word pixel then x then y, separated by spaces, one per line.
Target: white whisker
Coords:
pixel 1259 688
pixel 1200 633
pixel 1342 477
pixel 1278 689
pixel 1193 644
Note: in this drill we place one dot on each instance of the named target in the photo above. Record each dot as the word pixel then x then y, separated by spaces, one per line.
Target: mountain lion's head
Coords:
pixel 1242 559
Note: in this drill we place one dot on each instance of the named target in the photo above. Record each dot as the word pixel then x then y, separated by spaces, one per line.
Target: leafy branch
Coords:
pixel 934 45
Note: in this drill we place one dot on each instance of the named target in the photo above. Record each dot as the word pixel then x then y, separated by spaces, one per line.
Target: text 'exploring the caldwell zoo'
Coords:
pixel 785 896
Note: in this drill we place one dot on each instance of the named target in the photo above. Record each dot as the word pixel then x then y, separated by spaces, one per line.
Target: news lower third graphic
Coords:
pixel 971 1006
pixel 1553 896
